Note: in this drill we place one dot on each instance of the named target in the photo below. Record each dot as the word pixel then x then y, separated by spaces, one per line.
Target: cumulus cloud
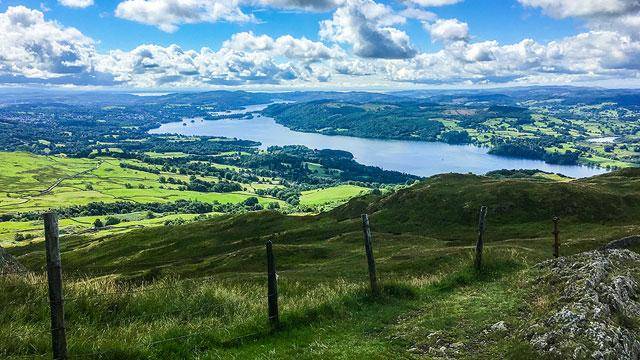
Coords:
pixel 369 28
pixel 433 3
pixel 313 5
pixel 418 14
pixel 611 15
pixel 76 3
pixel 286 45
pixel 167 15
pixel 584 8
pixel 157 66
pixel 244 59
pixel 34 48
pixel 591 55
pixel 447 30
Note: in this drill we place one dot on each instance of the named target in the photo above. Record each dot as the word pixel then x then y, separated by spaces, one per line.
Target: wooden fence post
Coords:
pixel 556 240
pixel 54 278
pixel 480 242
pixel 371 262
pixel 272 294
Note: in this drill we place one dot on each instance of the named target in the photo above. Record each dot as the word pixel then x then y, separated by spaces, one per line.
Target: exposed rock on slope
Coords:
pixel 9 264
pixel 593 310
pixel 624 243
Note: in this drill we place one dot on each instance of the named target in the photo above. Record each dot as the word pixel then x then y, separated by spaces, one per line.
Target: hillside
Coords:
pixel 534 126
pixel 205 280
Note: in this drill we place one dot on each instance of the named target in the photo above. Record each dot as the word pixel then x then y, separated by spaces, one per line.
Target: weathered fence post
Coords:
pixel 272 286
pixel 556 240
pixel 54 278
pixel 371 262
pixel 480 242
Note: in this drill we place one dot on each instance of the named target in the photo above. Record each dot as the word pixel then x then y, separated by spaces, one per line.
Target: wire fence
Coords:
pixel 21 278
pixel 17 278
pixel 189 313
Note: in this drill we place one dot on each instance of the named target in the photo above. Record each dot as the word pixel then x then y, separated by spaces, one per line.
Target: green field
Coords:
pixel 334 195
pixel 198 291
pixel 85 225
pixel 36 183
pixel 25 177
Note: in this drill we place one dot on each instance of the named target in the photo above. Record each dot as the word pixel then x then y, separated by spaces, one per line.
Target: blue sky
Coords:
pixel 504 20
pixel 320 44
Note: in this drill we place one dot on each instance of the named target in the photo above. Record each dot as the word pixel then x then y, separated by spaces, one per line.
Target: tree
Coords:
pixel 273 205
pixel 250 201
pixel 112 220
pixel 98 224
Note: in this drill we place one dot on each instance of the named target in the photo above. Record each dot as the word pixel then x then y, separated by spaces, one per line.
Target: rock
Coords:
pixel 9 264
pixel 594 315
pixel 623 243
pixel 500 326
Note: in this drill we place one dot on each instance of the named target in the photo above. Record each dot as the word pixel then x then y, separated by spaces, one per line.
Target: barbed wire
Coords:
pixel 29 356
pixel 122 316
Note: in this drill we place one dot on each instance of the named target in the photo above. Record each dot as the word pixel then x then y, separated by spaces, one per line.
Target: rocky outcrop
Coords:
pixel 9 264
pixel 594 309
pixel 624 243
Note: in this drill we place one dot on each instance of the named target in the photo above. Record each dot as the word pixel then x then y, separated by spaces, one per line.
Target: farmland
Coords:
pixel 33 183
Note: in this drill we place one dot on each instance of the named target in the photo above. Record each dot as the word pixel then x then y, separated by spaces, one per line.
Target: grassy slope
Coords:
pixel 423 240
pixel 336 194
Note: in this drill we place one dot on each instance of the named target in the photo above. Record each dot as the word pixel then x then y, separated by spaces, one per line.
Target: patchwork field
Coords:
pixel 333 195
pixel 33 182
pixel 30 183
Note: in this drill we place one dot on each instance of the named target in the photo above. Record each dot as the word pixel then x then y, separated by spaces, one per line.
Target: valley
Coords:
pixel 163 228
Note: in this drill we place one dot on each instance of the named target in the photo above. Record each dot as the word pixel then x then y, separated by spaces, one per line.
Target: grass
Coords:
pixel 130 295
pixel 225 318
pixel 334 195
pixel 81 181
pixel 25 176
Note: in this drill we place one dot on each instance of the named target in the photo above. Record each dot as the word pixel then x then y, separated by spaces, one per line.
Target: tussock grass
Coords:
pixel 198 291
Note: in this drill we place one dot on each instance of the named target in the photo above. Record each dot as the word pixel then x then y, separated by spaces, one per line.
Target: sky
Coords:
pixel 318 44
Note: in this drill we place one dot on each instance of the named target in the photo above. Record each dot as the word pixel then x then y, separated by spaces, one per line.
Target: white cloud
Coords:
pixel 157 66
pixel 591 55
pixel 435 3
pixel 286 45
pixel 584 8
pixel 167 15
pixel 312 5
pixel 447 30
pixel 369 28
pixel 418 14
pixel 76 3
pixel 34 48
pixel 603 15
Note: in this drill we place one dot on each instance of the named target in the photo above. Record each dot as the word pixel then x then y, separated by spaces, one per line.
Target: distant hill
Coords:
pixel 569 95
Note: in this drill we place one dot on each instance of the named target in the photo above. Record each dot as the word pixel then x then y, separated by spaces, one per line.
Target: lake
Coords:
pixel 413 157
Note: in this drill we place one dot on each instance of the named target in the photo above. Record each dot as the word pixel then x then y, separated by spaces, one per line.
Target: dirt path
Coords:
pixel 55 184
